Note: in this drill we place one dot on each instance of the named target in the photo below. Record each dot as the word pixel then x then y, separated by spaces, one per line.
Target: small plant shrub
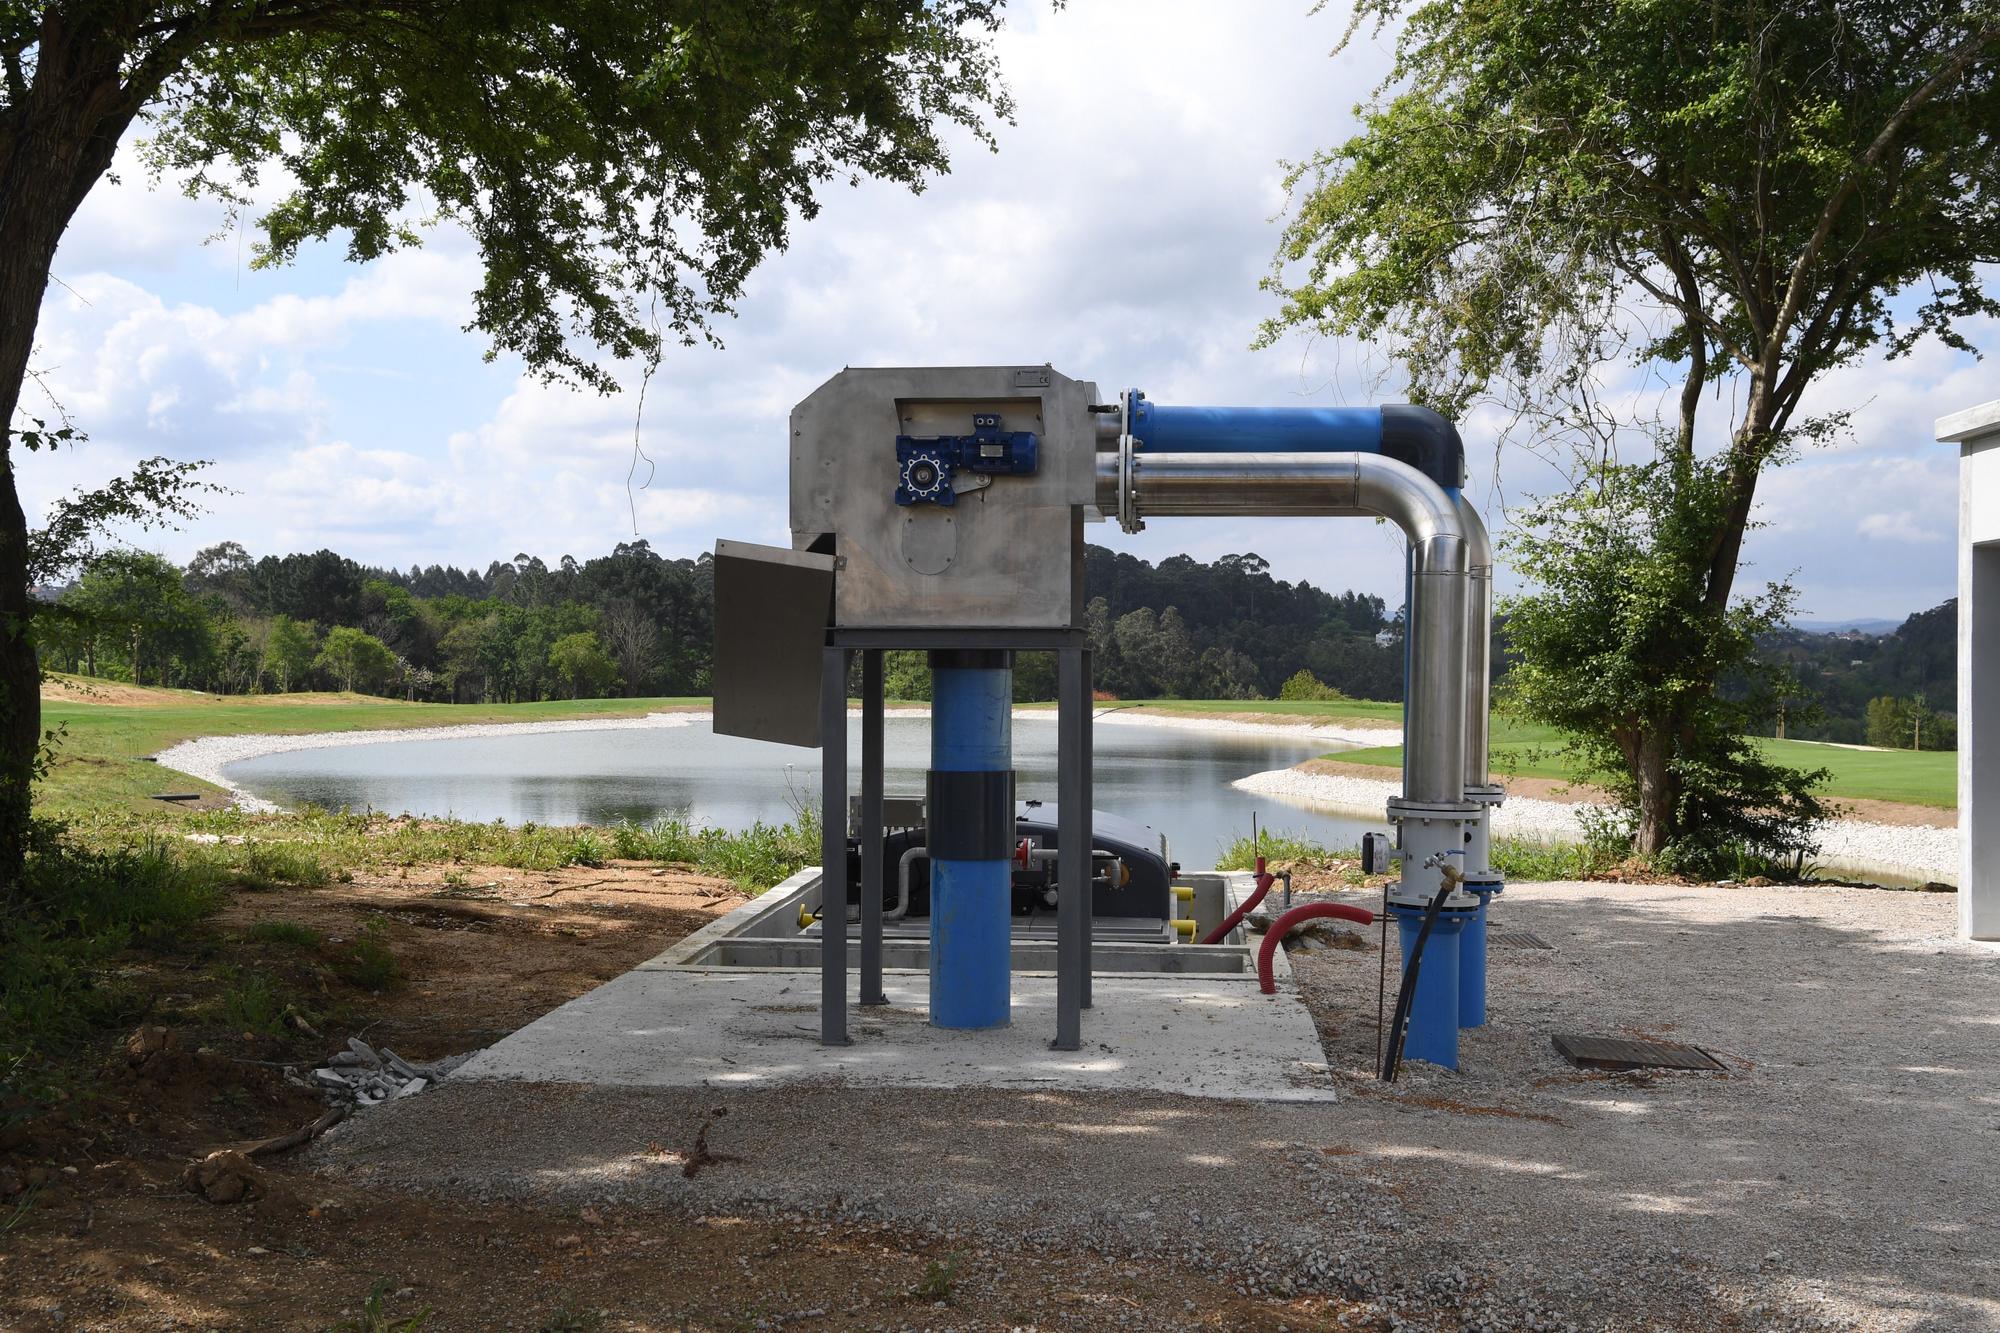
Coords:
pixel 1304 685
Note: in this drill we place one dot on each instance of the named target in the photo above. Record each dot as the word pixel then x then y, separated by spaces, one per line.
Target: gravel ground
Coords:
pixel 1912 852
pixel 1838 1175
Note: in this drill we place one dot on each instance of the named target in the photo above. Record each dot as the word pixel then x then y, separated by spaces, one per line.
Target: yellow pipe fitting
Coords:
pixel 1184 893
pixel 1185 927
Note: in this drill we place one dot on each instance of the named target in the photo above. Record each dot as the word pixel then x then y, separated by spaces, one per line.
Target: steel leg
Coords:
pixel 871 827
pixel 1087 774
pixel 833 849
pixel 1073 861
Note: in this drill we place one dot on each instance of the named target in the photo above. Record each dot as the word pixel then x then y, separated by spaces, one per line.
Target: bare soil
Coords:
pixel 98 1231
pixel 1271 719
pixel 63 689
pixel 1577 793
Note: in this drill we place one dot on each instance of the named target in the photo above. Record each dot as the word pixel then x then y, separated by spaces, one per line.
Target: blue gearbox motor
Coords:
pixel 926 464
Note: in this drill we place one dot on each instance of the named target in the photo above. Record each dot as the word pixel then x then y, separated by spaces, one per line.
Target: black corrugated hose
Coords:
pixel 1393 1060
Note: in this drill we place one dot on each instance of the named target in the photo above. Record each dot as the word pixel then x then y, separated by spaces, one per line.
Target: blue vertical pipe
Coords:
pixel 1472 963
pixel 971 895
pixel 1433 1030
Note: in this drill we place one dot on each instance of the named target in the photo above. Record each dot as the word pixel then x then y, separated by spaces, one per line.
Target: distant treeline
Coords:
pixel 636 623
pixel 1898 689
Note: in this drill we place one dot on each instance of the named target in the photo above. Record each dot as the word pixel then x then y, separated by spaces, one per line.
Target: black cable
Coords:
pixel 1393 1061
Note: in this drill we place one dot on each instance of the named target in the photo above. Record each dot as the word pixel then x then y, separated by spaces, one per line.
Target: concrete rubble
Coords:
pixel 366 1076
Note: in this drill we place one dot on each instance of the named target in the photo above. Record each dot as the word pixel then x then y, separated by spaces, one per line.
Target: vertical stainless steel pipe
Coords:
pixel 1339 485
pixel 1478 645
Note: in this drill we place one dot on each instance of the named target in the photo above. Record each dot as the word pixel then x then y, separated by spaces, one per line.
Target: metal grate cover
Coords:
pixel 1519 939
pixel 1626 1053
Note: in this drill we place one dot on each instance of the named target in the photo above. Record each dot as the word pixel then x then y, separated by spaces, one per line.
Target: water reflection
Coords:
pixel 1174 779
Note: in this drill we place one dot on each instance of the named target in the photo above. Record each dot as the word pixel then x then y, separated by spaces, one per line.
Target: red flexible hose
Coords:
pixel 1283 926
pixel 1264 882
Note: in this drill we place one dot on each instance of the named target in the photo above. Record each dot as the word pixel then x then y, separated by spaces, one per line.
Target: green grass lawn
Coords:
pixel 1928 777
pixel 97 765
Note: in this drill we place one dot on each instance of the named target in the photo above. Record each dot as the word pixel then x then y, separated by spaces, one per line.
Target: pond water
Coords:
pixel 1175 779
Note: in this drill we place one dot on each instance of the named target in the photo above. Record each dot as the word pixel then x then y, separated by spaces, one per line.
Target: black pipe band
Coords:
pixel 971 659
pixel 1426 441
pixel 971 815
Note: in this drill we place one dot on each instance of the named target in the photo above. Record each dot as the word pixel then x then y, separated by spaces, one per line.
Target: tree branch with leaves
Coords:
pixel 608 157
pixel 1737 198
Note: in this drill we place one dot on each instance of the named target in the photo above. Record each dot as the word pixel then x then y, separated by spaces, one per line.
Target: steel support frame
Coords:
pixel 833 849
pixel 870 827
pixel 1073 822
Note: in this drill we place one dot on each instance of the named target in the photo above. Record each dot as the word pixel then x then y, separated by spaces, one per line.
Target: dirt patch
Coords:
pixel 63 689
pixel 485 950
pixel 145 1203
pixel 1541 789
pixel 1896 813
pixel 1298 720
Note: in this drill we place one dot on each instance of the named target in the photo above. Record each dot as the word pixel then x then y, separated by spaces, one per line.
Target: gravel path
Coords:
pixel 1839 1175
pixel 1904 851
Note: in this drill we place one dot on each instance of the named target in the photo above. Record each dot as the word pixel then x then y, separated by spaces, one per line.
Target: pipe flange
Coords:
pixel 1400 808
pixel 1128 499
pixel 1488 794
pixel 1416 900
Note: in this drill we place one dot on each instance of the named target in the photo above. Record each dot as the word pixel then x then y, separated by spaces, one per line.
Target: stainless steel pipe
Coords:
pixel 1478 645
pixel 1146 485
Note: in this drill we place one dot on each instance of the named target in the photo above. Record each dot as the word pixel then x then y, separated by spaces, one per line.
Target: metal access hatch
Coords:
pixel 772 609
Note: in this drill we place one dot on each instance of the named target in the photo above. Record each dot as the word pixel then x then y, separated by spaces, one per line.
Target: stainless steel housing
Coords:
pixel 1007 554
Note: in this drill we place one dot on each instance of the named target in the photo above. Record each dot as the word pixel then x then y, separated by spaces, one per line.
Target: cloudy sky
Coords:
pixel 1119 233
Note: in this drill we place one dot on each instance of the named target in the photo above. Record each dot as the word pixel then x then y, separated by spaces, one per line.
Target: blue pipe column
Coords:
pixel 1472 951
pixel 970 802
pixel 1432 1034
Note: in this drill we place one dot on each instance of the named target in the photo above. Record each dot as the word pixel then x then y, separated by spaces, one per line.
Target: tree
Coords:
pixel 1729 195
pixel 136 611
pixel 357 658
pixel 289 649
pixel 579 661
pixel 1617 651
pixel 623 165
pixel 1909 724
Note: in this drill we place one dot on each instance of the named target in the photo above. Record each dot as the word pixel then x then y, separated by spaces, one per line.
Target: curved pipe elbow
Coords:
pixel 1478 542
pixel 1283 926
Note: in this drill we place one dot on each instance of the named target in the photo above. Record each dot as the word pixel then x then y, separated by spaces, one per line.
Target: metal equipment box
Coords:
pixel 998 543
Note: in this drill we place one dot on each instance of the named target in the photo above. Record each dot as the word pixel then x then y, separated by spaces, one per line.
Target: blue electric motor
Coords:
pixel 926 464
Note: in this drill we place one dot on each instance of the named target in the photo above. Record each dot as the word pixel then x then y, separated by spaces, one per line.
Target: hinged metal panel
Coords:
pixel 772 609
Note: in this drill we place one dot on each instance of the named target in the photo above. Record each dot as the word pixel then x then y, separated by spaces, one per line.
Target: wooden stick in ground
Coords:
pixel 304 1134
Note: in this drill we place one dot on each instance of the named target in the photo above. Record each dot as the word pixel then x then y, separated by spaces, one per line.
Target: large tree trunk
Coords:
pixel 64 135
pixel 1659 793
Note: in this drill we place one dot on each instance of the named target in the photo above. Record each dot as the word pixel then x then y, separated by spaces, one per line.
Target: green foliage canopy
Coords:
pixel 1616 650
pixel 1738 196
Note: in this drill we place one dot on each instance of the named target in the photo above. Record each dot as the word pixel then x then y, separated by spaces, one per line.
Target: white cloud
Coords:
pixel 1119 233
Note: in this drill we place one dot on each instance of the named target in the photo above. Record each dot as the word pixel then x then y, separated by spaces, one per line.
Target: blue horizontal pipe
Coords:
pixel 1257 430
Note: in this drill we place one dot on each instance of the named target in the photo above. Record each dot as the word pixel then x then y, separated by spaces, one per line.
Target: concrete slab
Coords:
pixel 729 1028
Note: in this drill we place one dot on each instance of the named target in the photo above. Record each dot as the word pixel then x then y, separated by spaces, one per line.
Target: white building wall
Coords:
pixel 1977 433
